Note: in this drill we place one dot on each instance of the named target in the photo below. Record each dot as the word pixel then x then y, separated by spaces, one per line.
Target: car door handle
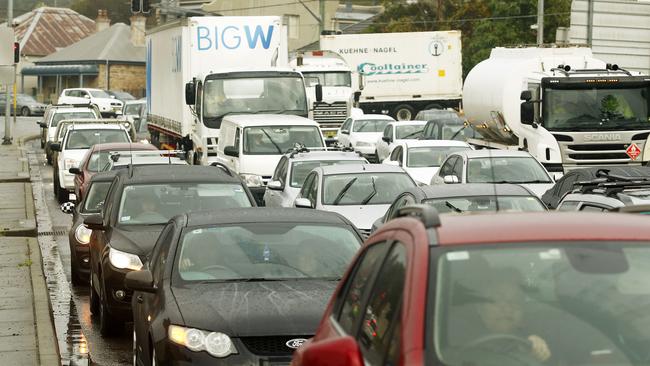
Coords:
pixel 139 299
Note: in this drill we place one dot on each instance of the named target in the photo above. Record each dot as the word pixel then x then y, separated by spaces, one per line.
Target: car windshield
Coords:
pixel 99 94
pixel 300 169
pixel 370 125
pixel 408 132
pixel 338 78
pixel 157 203
pixel 506 170
pixel 469 204
pixel 266 251
pixel 430 156
pixel 133 109
pixel 276 140
pixel 84 139
pixel 98 160
pixel 95 197
pixel 596 109
pixel 58 117
pixel 26 99
pixel 577 303
pixel 364 188
pixel 458 132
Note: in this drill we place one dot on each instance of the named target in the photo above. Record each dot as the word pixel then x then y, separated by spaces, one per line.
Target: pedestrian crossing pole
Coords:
pixel 7 138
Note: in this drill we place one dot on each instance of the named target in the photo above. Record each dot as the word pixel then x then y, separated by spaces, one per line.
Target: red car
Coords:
pixel 504 289
pixel 96 158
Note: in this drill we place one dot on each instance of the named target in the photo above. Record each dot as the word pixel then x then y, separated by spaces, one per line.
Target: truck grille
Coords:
pixel 270 346
pixel 334 113
pixel 598 153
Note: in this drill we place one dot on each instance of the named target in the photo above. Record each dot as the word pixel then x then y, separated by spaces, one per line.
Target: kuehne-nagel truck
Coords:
pixel 565 107
pixel 201 69
pixel 401 74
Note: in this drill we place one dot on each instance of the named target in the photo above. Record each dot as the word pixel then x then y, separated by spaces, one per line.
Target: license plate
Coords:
pixel 330 133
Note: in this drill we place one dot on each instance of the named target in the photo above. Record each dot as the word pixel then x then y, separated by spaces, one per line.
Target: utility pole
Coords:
pixel 321 11
pixel 7 138
pixel 540 22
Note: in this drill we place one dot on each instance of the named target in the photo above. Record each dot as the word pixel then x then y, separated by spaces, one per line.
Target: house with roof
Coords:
pixel 112 59
pixel 44 31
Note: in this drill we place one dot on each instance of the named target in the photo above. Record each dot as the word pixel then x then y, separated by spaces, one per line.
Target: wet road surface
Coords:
pixel 80 342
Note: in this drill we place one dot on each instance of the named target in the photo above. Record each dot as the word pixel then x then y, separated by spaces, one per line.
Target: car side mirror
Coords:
pixel 527 111
pixel 386 139
pixel 75 170
pixel 336 351
pixel 319 92
pixel 87 96
pixel 526 95
pixel 67 207
pixel 55 147
pixel 274 185
pixel 450 179
pixel 345 132
pixel 140 281
pixel 190 93
pixel 303 203
pixel 94 222
pixel 231 151
pixel 41 124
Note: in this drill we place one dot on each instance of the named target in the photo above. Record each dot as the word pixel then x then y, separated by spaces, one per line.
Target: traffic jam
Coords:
pixel 360 204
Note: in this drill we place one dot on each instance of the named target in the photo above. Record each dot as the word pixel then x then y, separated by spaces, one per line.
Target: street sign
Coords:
pixel 633 151
pixel 6 46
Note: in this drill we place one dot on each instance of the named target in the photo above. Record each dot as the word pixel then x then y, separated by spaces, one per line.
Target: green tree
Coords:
pixel 119 11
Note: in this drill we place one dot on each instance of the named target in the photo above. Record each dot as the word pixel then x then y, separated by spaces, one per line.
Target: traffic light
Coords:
pixel 140 6
pixel 16 52
pixel 135 6
pixel 145 8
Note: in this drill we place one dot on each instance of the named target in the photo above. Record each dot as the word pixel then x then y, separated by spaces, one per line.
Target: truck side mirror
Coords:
pixel 527 113
pixel 357 96
pixel 190 93
pixel 319 92
pixel 526 95
pixel 231 151
pixel 362 81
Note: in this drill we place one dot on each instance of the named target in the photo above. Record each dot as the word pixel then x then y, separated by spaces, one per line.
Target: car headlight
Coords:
pixel 215 343
pixel 364 144
pixel 82 234
pixel 124 260
pixel 252 180
pixel 70 163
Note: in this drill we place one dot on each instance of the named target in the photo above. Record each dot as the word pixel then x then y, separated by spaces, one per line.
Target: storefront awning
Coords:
pixel 51 70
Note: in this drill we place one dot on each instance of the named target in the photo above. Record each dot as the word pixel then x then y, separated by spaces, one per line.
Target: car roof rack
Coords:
pixel 638 209
pixel 223 167
pixel 116 155
pixel 425 213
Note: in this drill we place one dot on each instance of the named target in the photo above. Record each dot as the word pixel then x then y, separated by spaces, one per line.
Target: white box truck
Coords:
pixel 200 69
pixel 561 104
pixel 401 74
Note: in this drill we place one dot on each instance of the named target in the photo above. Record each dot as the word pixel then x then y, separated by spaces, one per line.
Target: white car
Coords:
pixel 108 106
pixel 494 166
pixel 396 132
pixel 361 133
pixel 76 142
pixel 421 159
pixel 361 193
pixel 55 114
pixel 292 169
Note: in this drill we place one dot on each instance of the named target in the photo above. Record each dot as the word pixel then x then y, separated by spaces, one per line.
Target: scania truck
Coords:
pixel 565 107
pixel 201 69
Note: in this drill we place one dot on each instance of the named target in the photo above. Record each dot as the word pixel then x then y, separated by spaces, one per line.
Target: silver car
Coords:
pixel 292 169
pixel 361 193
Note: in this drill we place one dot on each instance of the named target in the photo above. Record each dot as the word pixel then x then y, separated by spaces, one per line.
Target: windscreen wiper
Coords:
pixel 412 134
pixel 533 181
pixel 271 139
pixel 276 111
pixel 372 194
pixel 345 189
pixel 451 206
pixel 458 132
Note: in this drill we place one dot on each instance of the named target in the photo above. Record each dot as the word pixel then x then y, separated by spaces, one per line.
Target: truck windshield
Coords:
pixel 596 109
pixel 339 78
pixel 277 140
pixel 277 95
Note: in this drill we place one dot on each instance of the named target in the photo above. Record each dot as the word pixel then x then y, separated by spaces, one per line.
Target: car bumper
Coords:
pixel 67 180
pixel 79 255
pixel 180 356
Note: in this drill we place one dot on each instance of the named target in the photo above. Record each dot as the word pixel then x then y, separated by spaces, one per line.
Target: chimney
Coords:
pixel 102 22
pixel 138 24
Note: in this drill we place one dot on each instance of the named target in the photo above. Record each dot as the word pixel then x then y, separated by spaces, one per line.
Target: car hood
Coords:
pixel 366 136
pixel 76 154
pixel 422 175
pixel 137 239
pixel 255 308
pixel 538 188
pixel 361 216
pixel 106 101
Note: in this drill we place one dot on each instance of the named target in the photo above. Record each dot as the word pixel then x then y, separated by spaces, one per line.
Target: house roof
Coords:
pixel 112 44
pixel 45 30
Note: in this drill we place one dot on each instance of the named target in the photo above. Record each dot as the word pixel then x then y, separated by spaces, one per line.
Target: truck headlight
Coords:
pixel 70 163
pixel 124 260
pixel 364 144
pixel 215 343
pixel 82 234
pixel 252 180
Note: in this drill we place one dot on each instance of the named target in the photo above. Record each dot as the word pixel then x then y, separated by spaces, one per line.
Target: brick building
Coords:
pixel 111 59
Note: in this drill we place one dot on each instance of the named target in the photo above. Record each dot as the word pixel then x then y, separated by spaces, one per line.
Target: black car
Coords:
pixel 564 185
pixel 466 198
pixel 238 287
pixel 139 203
pixel 79 234
pixel 450 127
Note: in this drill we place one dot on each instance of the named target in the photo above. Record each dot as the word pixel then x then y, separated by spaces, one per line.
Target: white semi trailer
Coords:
pixel 567 108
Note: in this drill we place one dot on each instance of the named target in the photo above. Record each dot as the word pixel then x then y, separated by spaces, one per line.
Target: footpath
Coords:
pixel 27 335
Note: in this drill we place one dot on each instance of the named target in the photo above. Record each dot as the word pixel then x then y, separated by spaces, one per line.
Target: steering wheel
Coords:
pixel 522 347
pixel 499 337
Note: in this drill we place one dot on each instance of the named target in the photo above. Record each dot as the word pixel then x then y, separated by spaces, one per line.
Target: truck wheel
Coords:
pixel 433 106
pixel 403 112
